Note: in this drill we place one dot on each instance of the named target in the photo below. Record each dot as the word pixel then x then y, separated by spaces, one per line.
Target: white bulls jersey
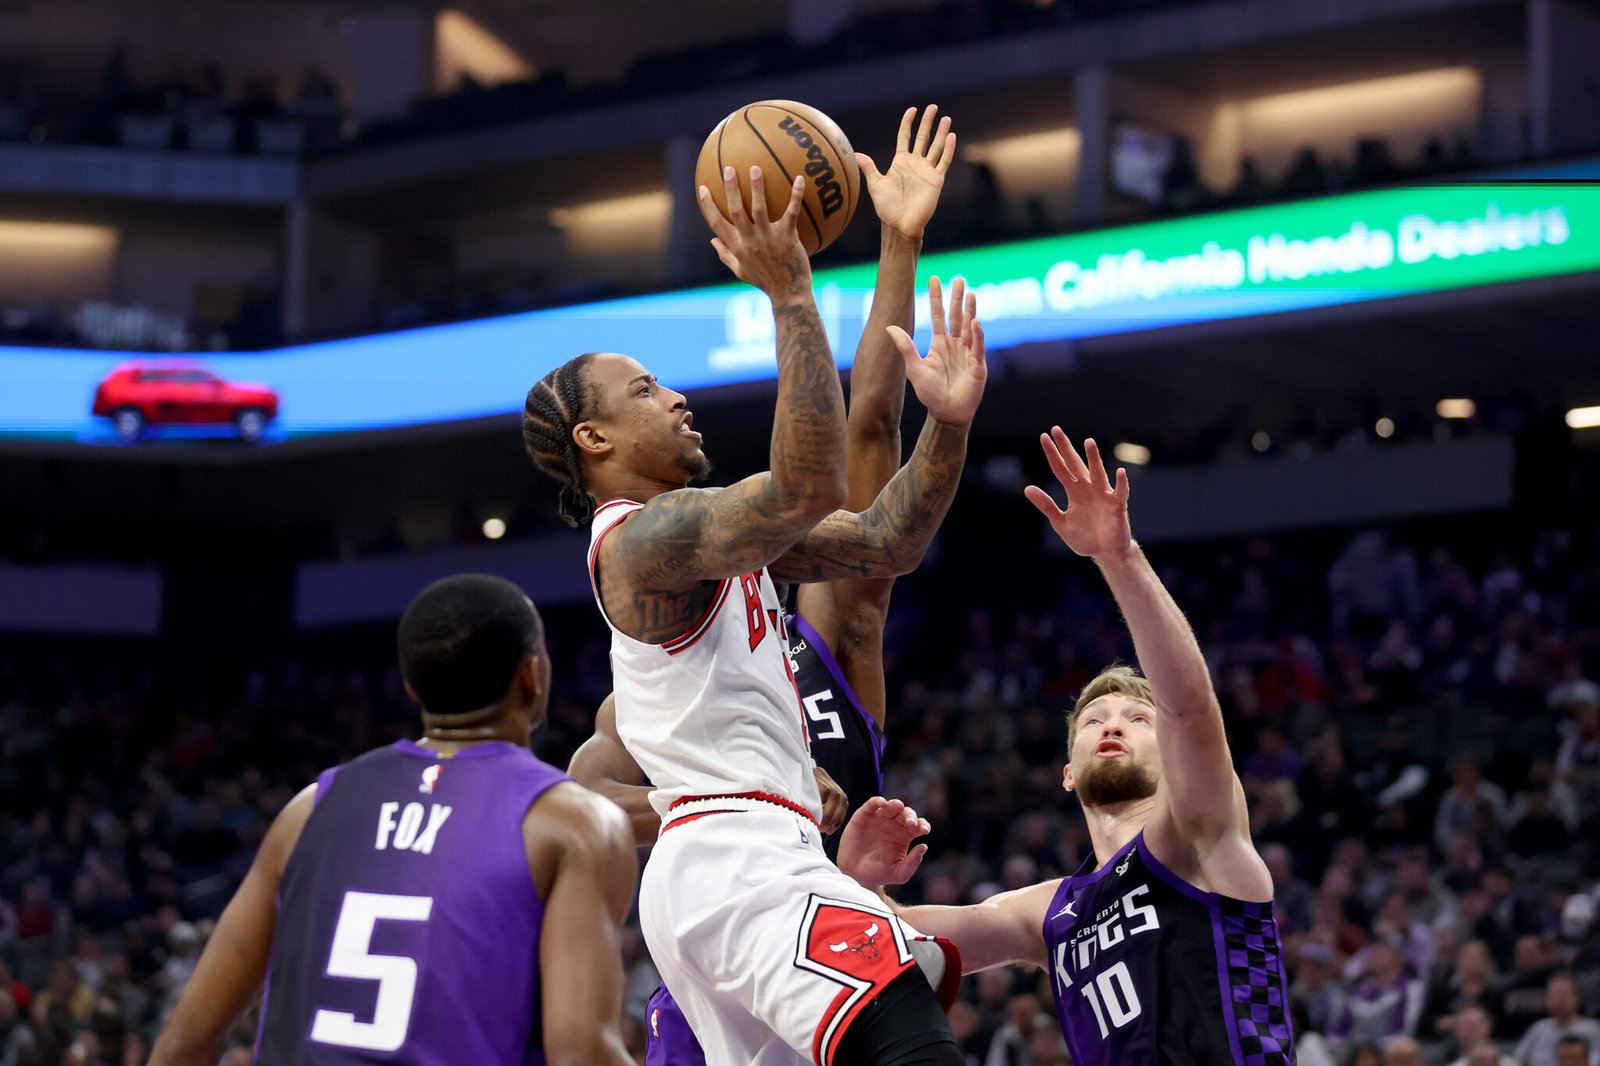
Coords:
pixel 714 711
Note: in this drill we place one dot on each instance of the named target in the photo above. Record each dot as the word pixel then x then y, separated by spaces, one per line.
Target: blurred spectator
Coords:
pixel 1471 807
pixel 1564 1018
pixel 1384 1001
pixel 1474 1028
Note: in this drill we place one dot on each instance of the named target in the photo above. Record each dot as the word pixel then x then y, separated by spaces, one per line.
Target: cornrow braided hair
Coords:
pixel 556 403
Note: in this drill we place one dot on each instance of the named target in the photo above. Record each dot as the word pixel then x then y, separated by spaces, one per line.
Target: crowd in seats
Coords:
pixel 187 109
pixel 1308 174
pixel 1417 727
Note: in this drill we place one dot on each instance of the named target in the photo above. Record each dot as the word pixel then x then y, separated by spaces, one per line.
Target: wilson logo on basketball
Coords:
pixel 830 194
pixel 864 944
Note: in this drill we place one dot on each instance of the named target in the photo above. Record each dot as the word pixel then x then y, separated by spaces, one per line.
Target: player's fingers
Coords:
pixel 936 149
pixel 958 308
pixel 902 140
pixel 758 198
pixel 868 168
pixel 925 129
pixel 729 260
pixel 1056 455
pixel 936 305
pixel 711 213
pixel 947 153
pixel 980 353
pixel 906 346
pixel 1097 465
pixel 1122 484
pixel 1069 454
pixel 734 195
pixel 924 827
pixel 1041 499
pixel 797 194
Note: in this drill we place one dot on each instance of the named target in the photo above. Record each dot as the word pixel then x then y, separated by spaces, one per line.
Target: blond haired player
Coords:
pixel 1163 947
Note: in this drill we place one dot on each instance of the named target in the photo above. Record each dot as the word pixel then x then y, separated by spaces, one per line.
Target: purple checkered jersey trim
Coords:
pixel 1255 982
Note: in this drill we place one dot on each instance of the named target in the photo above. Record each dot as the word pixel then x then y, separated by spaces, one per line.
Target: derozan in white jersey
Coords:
pixel 714 711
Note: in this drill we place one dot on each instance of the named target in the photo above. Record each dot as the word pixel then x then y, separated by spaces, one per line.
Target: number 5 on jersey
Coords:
pixel 396 974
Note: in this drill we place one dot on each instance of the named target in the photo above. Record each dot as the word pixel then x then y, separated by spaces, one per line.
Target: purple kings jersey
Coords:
pixel 845 741
pixel 1146 968
pixel 408 923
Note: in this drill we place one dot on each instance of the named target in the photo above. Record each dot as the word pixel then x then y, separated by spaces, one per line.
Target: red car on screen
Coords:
pixel 135 395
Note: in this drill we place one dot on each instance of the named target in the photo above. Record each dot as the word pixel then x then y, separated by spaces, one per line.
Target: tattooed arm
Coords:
pixel 652 571
pixel 890 537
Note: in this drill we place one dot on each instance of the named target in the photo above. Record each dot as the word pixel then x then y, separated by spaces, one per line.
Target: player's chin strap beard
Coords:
pixel 468 725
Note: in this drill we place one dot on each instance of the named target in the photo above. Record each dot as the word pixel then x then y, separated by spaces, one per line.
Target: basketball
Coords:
pixel 785 138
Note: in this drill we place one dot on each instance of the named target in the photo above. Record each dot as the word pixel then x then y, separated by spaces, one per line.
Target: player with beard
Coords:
pixel 1163 946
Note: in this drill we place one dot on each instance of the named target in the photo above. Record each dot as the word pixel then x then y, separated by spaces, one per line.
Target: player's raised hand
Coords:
pixel 1095 522
pixel 906 194
pixel 876 848
pixel 950 381
pixel 763 251
pixel 835 804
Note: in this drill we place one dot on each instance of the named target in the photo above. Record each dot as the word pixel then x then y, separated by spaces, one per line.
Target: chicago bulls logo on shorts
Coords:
pixel 861 949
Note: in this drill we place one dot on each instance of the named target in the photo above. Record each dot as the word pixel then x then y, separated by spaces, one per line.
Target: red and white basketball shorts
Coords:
pixel 768 948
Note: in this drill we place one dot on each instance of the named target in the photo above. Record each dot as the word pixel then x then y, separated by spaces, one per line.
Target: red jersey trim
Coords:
pixel 764 797
pixel 702 624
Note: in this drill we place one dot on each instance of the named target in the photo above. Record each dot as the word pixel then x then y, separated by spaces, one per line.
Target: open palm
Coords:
pixel 906 194
pixel 1095 522
pixel 950 381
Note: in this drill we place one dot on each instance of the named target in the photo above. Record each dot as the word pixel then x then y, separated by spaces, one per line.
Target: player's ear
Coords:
pixel 590 437
pixel 1066 777
pixel 411 692
pixel 533 674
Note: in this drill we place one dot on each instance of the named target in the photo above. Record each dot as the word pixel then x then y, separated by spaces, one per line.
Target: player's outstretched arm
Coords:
pixel 1204 801
pixel 234 963
pixel 904 197
pixel 849 614
pixel 580 850
pixel 602 764
pixel 878 849
pixel 681 538
pixel 891 536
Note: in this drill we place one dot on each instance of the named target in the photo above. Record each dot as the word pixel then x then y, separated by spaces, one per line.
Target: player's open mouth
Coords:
pixel 1109 748
pixel 683 427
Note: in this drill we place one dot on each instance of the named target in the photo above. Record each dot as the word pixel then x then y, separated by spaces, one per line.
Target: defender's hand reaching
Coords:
pixel 766 253
pixel 906 194
pixel 950 381
pixel 1095 522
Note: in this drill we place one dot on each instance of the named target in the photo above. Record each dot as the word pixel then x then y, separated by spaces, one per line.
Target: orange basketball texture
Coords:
pixel 785 138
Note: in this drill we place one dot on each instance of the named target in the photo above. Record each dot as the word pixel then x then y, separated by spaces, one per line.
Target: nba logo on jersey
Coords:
pixel 655 1023
pixel 430 777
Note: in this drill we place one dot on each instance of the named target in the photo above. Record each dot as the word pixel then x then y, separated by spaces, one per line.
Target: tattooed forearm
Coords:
pixel 653 571
pixel 891 536
pixel 807 454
